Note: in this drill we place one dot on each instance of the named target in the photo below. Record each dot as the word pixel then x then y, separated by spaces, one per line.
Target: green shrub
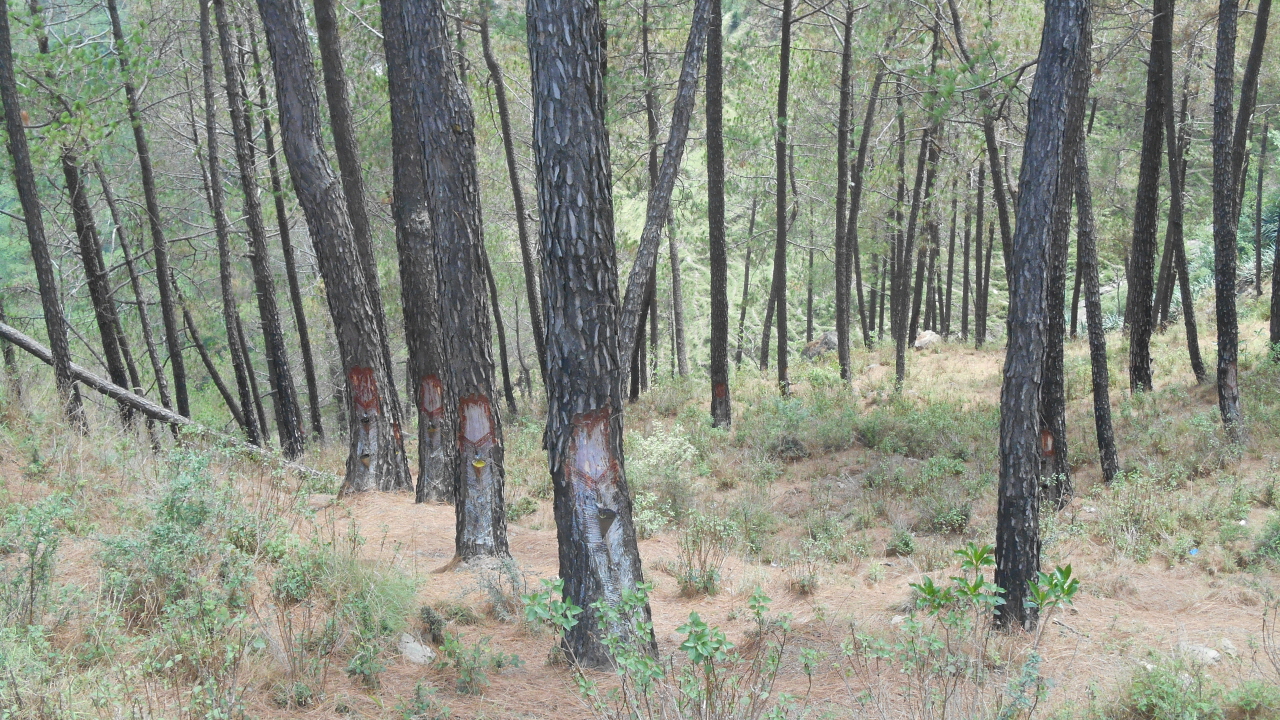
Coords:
pixel 33 535
pixel 701 550
pixel 472 662
pixel 902 543
pixel 1170 691
pixel 521 508
pixel 1268 544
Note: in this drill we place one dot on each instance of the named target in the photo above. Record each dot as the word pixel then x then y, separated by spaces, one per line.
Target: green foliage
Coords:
pixel 548 608
pixel 902 543
pixel 423 705
pixel 701 550
pixel 1170 691
pixel 521 508
pixel 472 662
pixel 504 586
pixel 661 466
pixel 33 535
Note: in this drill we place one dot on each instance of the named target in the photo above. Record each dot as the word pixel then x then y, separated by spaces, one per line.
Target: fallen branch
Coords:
pixel 141 404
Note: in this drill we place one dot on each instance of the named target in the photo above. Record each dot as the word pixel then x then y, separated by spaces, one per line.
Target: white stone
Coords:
pixel 927 339
pixel 1228 647
pixel 414 651
pixel 1199 653
pixel 898 619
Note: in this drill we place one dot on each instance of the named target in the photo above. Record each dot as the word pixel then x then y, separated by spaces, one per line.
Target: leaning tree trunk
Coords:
pixel 376 458
pixel 284 396
pixel 585 352
pixel 160 246
pixel 1142 256
pixel 499 330
pixel 779 291
pixel 1054 120
pixel 24 177
pixel 527 256
pixel 1257 215
pixel 659 205
pixel 104 305
pixel 415 242
pixel 853 252
pixel 286 248
pixel 213 188
pixel 1087 251
pixel 446 129
pixel 347 149
pixel 721 409
pixel 746 284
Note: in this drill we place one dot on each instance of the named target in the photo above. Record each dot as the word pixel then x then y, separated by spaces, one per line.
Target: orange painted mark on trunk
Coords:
pixel 475 424
pixel 590 461
pixel 364 389
pixel 720 390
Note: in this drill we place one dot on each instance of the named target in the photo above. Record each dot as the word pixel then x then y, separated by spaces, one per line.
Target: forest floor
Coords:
pixel 203 583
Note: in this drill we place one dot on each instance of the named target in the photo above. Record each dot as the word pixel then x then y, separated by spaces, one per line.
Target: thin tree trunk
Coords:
pixel 1075 299
pixel 843 281
pixel 779 291
pixel 808 303
pixel 164 273
pixel 286 247
pixel 347 150
pixel 979 290
pixel 527 255
pixel 585 348
pixel 1054 131
pixel 855 203
pixel 13 382
pixel 742 307
pixel 1087 251
pixel 499 329
pixel 212 177
pixel 951 264
pixel 376 458
pixel 659 205
pixel 1257 215
pixel 964 274
pixel 768 326
pixel 901 297
pixel 721 408
pixel 677 299
pixel 415 243
pixel 284 395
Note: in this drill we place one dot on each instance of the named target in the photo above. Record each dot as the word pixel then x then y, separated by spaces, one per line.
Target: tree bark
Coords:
pixel 1143 249
pixel 12 380
pixel 677 299
pixel 1055 470
pixel 527 255
pixel 742 307
pixel 585 350
pixel 1257 215
pixel 779 291
pixel 951 265
pixel 347 150
pixel 853 252
pixel 1228 157
pixel 721 408
pixel 284 396
pixel 24 178
pixel 980 288
pixel 447 132
pixel 104 305
pixel 500 330
pixel 659 204
pixel 1054 121
pixel 164 272
pixel 1087 251
pixel 808 303
pixel 843 282
pixel 213 188
pixel 900 298
pixel 376 458
pixel 964 274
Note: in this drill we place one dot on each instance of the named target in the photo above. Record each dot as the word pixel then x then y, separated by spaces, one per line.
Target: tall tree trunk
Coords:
pixel 213 189
pixel 517 194
pixel 900 301
pixel 721 408
pixel 767 328
pixel 843 281
pixel 964 274
pixel 1179 133
pixel 853 252
pixel 677 299
pixel 598 555
pixel 742 307
pixel 1228 157
pixel 659 205
pixel 24 178
pixel 500 330
pixel 164 272
pixel 1087 251
pixel 104 306
pixel 1257 215
pixel 376 458
pixel 284 396
pixel 135 282
pixel 1055 470
pixel 347 150
pixel 979 289
pixel 808 303
pixel 779 291
pixel 1054 121
pixel 951 264
pixel 1145 214
pixel 286 246
pixel 446 127
pixel 1075 299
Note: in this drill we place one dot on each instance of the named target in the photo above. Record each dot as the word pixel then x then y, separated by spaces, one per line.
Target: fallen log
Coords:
pixel 141 404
